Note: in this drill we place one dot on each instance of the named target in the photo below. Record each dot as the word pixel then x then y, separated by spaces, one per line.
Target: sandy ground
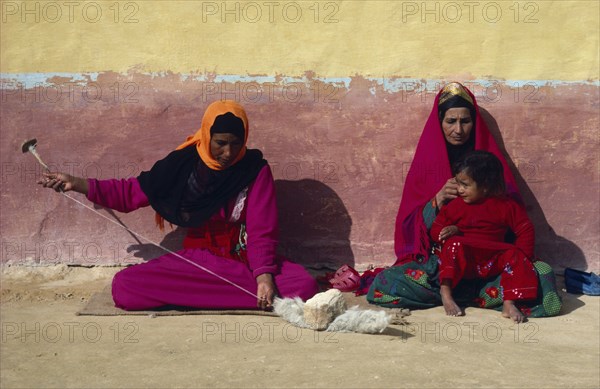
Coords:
pixel 44 344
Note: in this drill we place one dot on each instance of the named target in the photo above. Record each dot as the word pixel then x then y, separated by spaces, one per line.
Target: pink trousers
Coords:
pixel 169 280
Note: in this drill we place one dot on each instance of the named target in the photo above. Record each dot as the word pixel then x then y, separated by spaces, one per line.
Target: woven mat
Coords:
pixel 101 304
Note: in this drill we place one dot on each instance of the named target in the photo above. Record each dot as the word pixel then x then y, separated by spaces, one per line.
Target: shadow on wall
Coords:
pixel 147 251
pixel 549 246
pixel 173 241
pixel 314 228
pixel 314 225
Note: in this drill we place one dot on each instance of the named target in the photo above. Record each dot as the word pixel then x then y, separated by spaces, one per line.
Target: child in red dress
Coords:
pixel 471 231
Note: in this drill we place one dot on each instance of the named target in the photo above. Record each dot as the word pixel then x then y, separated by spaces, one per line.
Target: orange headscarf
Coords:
pixel 202 137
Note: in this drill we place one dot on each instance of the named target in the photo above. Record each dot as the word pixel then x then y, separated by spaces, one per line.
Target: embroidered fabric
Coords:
pixel 242 241
pixel 239 205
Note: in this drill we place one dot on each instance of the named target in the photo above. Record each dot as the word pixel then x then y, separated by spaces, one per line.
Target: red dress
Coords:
pixel 479 251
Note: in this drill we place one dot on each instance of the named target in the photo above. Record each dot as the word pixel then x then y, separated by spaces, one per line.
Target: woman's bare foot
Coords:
pixel 510 310
pixel 450 306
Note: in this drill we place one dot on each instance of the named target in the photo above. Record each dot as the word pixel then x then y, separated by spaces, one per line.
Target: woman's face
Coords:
pixel 457 125
pixel 225 148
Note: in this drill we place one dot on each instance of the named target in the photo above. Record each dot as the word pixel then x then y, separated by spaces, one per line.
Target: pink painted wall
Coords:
pixel 339 156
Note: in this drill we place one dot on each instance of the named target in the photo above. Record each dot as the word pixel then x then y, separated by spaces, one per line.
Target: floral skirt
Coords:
pixel 415 285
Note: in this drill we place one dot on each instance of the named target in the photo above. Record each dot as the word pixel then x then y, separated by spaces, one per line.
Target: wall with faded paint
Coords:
pixel 337 93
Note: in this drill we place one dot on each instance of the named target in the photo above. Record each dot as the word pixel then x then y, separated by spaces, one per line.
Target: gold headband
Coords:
pixel 454 89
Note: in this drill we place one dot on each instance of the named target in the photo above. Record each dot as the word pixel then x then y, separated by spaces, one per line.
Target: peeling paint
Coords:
pixel 390 85
pixel 13 81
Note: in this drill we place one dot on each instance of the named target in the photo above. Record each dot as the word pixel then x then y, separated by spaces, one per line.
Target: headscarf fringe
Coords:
pixel 160 222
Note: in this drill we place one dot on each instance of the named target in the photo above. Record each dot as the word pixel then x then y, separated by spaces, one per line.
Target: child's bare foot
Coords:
pixel 510 310
pixel 450 306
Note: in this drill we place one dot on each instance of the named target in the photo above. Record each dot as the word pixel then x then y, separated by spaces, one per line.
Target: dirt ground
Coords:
pixel 44 344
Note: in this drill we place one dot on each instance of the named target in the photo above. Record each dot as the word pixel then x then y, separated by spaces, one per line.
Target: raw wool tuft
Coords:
pixel 291 310
pixel 353 320
pixel 323 308
pixel 362 321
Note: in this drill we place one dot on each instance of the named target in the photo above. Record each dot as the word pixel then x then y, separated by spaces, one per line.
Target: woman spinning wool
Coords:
pixel 224 193
pixel 454 128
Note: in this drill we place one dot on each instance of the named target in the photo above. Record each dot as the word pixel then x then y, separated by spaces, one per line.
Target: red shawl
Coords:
pixel 429 171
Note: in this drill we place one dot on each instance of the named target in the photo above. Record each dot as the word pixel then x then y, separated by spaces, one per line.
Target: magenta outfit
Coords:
pixel 169 280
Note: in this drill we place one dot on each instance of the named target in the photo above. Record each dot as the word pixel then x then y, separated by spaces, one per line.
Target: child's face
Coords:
pixel 468 189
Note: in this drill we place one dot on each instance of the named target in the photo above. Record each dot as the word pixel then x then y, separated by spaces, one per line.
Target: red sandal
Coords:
pixel 345 279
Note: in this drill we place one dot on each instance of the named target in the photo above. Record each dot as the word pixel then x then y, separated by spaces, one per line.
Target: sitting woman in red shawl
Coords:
pixel 454 128
pixel 225 195
pixel 470 231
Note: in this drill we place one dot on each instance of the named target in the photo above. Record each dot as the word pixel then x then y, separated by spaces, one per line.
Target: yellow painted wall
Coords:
pixel 544 40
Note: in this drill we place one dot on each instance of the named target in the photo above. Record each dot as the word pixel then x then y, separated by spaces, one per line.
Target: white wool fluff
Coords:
pixel 362 321
pixel 291 310
pixel 353 320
